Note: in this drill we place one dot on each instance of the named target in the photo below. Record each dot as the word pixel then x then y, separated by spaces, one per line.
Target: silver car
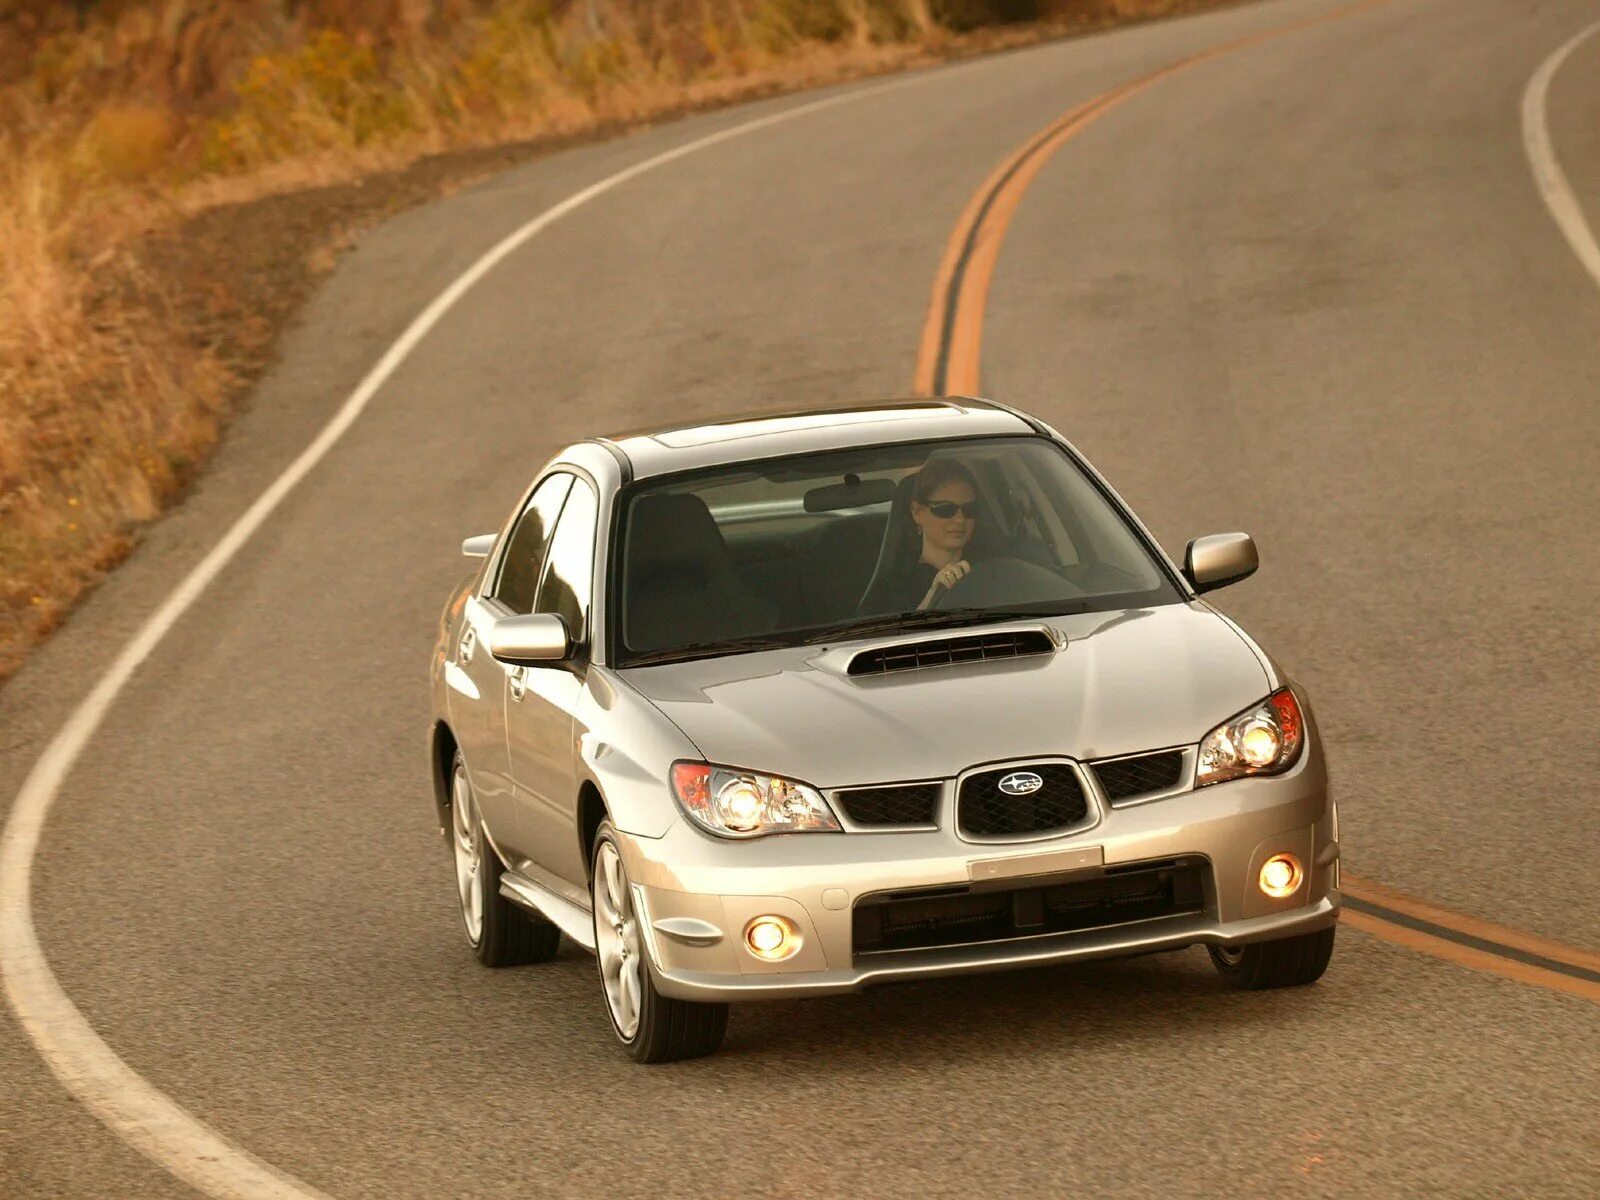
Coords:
pixel 793 705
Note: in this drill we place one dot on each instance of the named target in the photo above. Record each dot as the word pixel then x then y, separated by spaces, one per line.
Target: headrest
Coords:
pixel 901 544
pixel 673 533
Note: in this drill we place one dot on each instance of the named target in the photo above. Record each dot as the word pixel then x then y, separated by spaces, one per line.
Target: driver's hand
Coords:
pixel 949 576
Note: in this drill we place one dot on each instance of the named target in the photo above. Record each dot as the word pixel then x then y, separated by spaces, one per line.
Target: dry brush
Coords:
pixel 123 119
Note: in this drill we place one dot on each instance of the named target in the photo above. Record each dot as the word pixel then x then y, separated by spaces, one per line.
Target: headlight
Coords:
pixel 744 804
pixel 1262 740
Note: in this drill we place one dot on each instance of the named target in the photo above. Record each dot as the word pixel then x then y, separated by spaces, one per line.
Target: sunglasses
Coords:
pixel 945 509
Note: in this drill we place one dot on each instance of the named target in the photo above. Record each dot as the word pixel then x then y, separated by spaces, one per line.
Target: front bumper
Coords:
pixel 696 893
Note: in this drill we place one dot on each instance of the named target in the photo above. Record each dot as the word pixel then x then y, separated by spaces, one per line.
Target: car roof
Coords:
pixel 750 437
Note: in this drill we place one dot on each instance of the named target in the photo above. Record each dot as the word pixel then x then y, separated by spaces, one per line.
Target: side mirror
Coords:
pixel 1219 559
pixel 478 547
pixel 539 639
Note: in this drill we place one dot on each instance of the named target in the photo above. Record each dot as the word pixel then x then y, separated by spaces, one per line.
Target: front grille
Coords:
pixel 1126 777
pixel 1116 896
pixel 942 652
pixel 984 810
pixel 901 804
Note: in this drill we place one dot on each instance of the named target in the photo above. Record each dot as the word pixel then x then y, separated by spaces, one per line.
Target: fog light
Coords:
pixel 772 938
pixel 1281 875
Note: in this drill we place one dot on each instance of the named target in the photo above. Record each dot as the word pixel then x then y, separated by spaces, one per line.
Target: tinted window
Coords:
pixel 569 573
pixel 519 569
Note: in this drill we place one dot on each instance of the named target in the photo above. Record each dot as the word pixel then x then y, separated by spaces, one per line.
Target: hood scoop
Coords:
pixel 951 649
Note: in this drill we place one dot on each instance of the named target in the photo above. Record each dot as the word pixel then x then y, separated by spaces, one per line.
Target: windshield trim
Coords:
pixel 620 657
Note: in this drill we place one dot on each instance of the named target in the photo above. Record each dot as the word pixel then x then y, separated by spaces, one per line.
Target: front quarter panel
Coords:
pixel 450 625
pixel 440 667
pixel 626 747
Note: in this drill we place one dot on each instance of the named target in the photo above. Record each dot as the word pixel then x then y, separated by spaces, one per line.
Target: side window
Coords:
pixel 569 571
pixel 519 568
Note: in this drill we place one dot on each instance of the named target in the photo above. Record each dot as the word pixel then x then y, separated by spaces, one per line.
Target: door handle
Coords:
pixel 518 682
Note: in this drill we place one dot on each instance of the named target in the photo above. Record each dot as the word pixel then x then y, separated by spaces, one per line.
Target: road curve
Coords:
pixel 1309 288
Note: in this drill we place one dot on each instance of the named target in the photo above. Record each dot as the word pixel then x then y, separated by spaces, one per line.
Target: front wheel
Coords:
pixel 651 1027
pixel 1286 962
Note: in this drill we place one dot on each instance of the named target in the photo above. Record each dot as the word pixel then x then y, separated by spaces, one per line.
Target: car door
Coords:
pixel 478 710
pixel 540 702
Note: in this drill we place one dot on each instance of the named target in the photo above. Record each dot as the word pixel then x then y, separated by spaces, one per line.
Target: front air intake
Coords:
pixel 947 651
pixel 893 804
pixel 1139 774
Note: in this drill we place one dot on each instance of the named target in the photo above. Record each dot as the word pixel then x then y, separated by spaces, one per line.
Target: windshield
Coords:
pixel 789 551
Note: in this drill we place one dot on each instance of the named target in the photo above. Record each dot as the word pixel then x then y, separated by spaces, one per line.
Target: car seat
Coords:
pixel 901 546
pixel 836 565
pixel 682 585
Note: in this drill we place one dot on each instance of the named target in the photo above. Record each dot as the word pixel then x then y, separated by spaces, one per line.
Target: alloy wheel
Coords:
pixel 616 935
pixel 466 840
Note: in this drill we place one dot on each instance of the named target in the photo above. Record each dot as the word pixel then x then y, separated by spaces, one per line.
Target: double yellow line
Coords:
pixel 947 364
pixel 952 334
pixel 1467 941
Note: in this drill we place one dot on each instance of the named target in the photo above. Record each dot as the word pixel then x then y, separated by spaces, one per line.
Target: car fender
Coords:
pixel 626 746
pixel 441 697
pixel 1276 676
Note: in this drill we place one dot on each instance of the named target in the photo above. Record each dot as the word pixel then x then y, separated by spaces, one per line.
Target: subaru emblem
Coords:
pixel 1021 783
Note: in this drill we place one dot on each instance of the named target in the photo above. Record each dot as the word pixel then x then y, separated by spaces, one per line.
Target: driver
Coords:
pixel 945 510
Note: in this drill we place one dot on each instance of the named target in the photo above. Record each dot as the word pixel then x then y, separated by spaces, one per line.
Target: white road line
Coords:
pixel 1547 172
pixel 127 1104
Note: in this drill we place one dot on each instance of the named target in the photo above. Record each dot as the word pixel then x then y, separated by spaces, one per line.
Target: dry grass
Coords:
pixel 114 380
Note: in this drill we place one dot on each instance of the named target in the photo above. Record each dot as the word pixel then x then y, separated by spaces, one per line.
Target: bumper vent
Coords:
pixel 986 809
pixel 1124 778
pixel 1121 896
pixel 943 652
pixel 902 804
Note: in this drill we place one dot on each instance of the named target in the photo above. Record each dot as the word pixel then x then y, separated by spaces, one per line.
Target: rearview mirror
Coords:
pixel 1219 559
pixel 539 638
pixel 478 547
pixel 854 492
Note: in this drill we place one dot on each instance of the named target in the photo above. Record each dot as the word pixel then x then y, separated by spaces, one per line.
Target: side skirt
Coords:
pixel 577 923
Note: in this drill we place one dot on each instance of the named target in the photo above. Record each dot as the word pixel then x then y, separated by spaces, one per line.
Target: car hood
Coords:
pixel 1124 682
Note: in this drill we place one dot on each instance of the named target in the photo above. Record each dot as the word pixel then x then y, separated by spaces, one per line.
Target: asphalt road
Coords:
pixel 1307 289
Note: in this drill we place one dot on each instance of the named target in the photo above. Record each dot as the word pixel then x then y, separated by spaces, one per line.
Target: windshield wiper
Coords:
pixel 931 618
pixel 744 645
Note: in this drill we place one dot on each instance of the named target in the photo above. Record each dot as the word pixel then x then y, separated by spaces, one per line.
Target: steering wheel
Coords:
pixel 1003 582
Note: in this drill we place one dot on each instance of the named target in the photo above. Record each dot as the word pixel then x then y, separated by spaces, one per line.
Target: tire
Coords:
pixel 651 1027
pixel 502 934
pixel 1287 962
